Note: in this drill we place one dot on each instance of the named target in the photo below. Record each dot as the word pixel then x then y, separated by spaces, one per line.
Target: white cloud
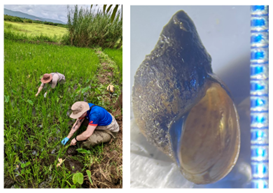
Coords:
pixel 57 12
pixel 29 11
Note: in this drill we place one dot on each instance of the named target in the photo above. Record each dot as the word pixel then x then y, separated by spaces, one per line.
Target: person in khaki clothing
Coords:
pixel 52 79
pixel 102 125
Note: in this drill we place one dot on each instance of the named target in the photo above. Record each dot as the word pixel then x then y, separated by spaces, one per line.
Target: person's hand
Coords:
pixel 73 142
pixel 65 140
pixel 36 94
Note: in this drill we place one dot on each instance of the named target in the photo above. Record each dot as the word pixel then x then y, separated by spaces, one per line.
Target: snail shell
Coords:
pixel 182 108
pixel 110 88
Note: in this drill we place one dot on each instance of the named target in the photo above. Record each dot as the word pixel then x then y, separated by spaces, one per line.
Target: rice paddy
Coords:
pixel 34 126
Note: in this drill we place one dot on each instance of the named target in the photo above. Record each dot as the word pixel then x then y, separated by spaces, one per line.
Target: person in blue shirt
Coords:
pixel 102 125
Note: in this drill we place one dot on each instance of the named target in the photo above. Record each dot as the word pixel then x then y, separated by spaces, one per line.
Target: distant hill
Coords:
pixel 24 15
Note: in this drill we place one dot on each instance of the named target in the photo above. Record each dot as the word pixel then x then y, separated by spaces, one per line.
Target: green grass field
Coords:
pixel 34 126
pixel 35 29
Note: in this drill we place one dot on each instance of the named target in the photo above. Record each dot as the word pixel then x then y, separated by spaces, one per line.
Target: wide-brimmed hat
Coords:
pixel 46 78
pixel 78 108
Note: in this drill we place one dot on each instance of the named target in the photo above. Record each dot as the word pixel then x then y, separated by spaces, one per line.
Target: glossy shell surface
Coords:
pixel 182 108
pixel 212 125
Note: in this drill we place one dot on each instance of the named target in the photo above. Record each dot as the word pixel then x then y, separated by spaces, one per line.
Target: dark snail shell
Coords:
pixel 182 108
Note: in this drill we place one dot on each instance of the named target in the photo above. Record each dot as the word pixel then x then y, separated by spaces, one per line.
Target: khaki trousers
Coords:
pixel 98 137
pixel 102 134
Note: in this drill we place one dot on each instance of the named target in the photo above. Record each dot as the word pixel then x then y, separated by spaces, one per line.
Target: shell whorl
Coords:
pixel 169 79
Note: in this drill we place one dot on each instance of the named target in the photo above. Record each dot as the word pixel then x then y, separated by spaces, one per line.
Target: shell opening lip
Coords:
pixel 210 142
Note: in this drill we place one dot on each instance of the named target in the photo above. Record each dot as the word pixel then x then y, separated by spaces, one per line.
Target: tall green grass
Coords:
pixel 88 28
pixel 35 126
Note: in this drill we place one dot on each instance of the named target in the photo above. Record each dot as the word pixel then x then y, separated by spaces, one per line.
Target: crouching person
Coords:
pixel 51 79
pixel 102 126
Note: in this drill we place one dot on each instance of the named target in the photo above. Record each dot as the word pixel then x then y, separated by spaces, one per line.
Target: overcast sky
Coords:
pixel 58 12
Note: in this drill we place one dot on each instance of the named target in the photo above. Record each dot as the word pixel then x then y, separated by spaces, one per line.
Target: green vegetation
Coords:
pixel 116 56
pixel 31 39
pixel 34 29
pixel 85 28
pixel 33 32
pixel 88 28
pixel 25 20
pixel 34 126
pixel 108 9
